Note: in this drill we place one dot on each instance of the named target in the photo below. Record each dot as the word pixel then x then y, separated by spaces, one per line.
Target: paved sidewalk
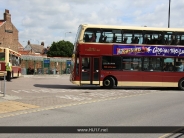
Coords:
pixel 45 75
pixel 9 104
pixel 18 102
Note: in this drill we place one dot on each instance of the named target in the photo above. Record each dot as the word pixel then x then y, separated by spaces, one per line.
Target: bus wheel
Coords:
pixel 181 84
pixel 108 82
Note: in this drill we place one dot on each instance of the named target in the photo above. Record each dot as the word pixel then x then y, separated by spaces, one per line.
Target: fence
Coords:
pixel 3 83
pixel 42 65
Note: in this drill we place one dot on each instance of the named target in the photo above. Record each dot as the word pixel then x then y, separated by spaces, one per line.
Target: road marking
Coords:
pixel 171 133
pixel 74 97
pixel 101 95
pixel 66 105
pixel 16 91
pixel 35 91
pixel 92 92
pixel 25 91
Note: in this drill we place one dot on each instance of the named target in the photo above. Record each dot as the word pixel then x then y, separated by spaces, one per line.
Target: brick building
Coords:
pixel 34 49
pixel 8 33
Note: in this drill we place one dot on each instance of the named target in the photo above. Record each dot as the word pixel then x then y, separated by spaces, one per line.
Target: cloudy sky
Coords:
pixel 52 20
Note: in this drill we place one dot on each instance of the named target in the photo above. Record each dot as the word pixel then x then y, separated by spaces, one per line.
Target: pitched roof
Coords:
pixel 20 46
pixel 37 48
pixel 1 22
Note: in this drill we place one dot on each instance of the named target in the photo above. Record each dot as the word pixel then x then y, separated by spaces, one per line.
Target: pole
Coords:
pixel 169 15
pixel 4 85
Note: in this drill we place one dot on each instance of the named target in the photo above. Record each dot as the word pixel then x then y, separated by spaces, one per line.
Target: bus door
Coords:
pixel 90 70
pixel 96 71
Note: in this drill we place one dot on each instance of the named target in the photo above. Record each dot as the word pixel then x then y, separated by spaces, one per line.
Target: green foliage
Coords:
pixel 61 49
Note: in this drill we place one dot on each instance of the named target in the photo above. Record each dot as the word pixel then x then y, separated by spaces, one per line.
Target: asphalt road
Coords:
pixel 59 103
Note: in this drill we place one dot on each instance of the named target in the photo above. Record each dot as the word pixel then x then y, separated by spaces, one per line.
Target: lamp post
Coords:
pixel 66 33
pixel 169 14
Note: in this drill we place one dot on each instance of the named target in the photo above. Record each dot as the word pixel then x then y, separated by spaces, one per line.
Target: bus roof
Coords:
pixel 10 50
pixel 132 28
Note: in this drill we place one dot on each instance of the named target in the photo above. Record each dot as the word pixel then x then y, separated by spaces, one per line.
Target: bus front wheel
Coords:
pixel 109 82
pixel 181 84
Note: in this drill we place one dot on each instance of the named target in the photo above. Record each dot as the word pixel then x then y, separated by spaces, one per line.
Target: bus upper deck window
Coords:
pixel 86 38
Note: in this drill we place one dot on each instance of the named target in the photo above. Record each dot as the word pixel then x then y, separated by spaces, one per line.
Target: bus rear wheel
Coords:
pixel 109 82
pixel 181 84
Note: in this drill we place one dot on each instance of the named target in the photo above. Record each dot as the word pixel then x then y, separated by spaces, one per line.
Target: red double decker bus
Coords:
pixel 5 55
pixel 112 56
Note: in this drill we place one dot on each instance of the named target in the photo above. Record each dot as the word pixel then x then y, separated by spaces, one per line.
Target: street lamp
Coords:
pixel 169 14
pixel 66 33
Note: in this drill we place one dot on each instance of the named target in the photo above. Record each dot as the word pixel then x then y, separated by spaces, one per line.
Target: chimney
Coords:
pixel 28 42
pixel 42 43
pixel 7 16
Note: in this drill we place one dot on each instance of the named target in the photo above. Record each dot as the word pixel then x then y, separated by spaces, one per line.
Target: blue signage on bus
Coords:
pixel 148 50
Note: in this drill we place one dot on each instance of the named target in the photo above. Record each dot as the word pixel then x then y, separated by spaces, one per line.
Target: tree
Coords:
pixel 61 49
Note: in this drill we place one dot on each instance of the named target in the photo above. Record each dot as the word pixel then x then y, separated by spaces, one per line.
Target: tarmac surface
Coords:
pixel 33 93
pixel 46 92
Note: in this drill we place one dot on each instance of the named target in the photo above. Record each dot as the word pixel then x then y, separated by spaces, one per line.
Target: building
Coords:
pixel 8 33
pixel 34 49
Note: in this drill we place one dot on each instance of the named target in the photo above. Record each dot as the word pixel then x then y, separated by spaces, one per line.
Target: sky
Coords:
pixel 51 21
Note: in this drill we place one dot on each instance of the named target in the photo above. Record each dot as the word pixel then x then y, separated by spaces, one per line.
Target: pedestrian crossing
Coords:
pixel 90 91
pixel 80 94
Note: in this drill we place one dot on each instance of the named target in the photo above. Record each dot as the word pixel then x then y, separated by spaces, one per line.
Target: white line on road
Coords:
pixel 16 91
